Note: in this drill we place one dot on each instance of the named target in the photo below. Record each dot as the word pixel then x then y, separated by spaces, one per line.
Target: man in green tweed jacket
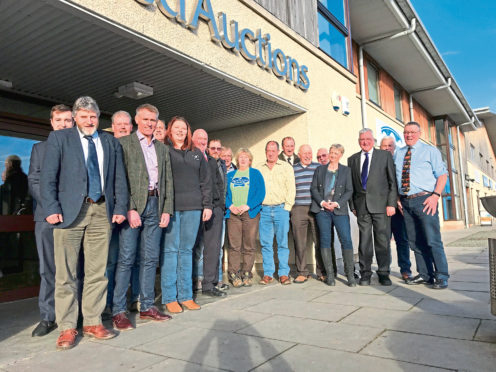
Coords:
pixel 151 204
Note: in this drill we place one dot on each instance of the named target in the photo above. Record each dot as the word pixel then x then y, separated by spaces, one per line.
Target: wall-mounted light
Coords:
pixel 134 90
pixel 6 84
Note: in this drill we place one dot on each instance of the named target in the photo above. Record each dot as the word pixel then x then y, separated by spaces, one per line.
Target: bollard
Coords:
pixel 492 273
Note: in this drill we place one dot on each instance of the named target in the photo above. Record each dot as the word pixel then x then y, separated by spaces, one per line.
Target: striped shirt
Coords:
pixel 303 180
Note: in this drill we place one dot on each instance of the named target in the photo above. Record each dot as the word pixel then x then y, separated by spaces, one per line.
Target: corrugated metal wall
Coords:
pixel 300 15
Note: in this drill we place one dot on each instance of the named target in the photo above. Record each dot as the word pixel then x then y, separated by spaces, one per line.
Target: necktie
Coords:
pixel 405 173
pixel 94 182
pixel 365 171
pixel 289 161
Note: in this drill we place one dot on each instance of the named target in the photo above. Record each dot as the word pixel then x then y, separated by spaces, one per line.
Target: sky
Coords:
pixel 464 32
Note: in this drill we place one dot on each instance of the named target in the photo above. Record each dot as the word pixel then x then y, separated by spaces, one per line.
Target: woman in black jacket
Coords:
pixel 331 189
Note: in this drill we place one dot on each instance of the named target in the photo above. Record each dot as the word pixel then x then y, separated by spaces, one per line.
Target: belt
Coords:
pixel 91 201
pixel 416 195
pixel 273 205
pixel 153 192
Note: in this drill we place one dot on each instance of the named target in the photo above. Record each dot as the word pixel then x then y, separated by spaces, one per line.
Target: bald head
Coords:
pixel 388 144
pixel 200 139
pixel 305 154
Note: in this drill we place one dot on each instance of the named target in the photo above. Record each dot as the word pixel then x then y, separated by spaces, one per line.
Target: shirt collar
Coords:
pixel 369 152
pixel 141 137
pixel 81 134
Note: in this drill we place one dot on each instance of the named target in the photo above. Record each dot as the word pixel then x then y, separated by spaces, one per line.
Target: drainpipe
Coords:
pixel 362 87
pixel 462 171
pixel 411 108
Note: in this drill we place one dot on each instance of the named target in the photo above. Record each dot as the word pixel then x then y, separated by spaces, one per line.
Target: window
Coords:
pixel 373 83
pixel 397 103
pixel 333 30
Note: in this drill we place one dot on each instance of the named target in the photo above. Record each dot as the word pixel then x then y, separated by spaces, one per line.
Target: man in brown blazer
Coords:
pixel 149 177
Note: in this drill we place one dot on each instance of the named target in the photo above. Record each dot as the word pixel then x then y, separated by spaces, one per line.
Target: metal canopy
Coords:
pixel 413 60
pixel 59 53
pixel 489 119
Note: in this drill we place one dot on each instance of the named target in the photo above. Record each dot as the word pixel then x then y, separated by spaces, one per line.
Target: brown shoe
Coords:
pixel 99 332
pixel 285 280
pixel 266 280
pixel 153 314
pixel 235 280
pixel 67 339
pixel 191 305
pixel 247 282
pixel 121 322
pixel 300 279
pixel 174 307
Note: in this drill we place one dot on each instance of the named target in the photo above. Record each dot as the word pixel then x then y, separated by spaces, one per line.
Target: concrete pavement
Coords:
pixel 306 327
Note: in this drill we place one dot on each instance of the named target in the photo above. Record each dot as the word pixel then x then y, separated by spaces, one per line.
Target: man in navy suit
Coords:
pixel 60 118
pixel 83 191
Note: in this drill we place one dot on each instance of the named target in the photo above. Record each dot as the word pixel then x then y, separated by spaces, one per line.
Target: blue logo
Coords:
pixel 241 182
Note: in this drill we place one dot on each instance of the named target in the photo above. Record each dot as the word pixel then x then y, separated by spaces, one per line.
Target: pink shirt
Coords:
pixel 150 159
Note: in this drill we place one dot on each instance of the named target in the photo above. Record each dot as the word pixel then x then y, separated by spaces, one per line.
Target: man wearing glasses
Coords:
pixel 323 156
pixel 421 175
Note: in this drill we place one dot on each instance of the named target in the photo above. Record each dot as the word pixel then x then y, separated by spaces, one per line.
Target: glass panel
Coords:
pixel 336 7
pixel 440 133
pixel 332 41
pixel 373 78
pixel 397 103
pixel 18 256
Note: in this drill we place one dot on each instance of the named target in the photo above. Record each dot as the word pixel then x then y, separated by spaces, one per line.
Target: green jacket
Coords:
pixel 137 175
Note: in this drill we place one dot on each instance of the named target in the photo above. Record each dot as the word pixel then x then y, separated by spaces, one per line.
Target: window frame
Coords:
pixel 378 103
pixel 398 104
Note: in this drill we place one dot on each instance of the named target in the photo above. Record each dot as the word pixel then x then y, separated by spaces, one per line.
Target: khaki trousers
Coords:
pixel 92 229
pixel 242 232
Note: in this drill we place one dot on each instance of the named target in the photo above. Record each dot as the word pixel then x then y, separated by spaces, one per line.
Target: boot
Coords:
pixel 334 264
pixel 327 260
pixel 349 267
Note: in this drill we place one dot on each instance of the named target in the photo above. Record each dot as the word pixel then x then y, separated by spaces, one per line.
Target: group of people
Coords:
pixel 162 197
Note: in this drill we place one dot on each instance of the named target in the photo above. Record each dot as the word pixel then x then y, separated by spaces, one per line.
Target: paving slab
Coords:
pixel 258 295
pixel 92 357
pixel 313 332
pixel 221 319
pixel 174 365
pixel 474 275
pixel 217 349
pixel 303 309
pixel 465 308
pixel 446 295
pixel 382 302
pixel 486 331
pixel 469 286
pixel 434 351
pixel 415 322
pixel 311 358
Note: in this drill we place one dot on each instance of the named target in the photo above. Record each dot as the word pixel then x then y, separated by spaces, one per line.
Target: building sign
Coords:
pixel 253 46
pixel 385 130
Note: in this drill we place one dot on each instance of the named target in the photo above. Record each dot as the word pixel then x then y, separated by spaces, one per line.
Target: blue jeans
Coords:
pixel 325 221
pixel 398 229
pixel 425 239
pixel 274 220
pixel 147 237
pixel 113 256
pixel 176 268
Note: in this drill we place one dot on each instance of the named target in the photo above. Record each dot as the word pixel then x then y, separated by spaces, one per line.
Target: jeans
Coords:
pixel 398 229
pixel 129 240
pixel 274 220
pixel 424 235
pixel 325 220
pixel 112 266
pixel 176 268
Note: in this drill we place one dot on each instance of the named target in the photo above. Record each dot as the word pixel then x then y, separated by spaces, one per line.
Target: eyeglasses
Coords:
pixel 321 156
pixel 410 133
pixel 215 148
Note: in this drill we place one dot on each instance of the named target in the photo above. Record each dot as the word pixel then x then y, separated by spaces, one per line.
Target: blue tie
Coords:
pixel 94 182
pixel 365 171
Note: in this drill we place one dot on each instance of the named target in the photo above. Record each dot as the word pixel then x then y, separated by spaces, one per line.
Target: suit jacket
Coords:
pixel 217 183
pixel 343 189
pixel 295 161
pixel 64 179
pixel 37 155
pixel 137 175
pixel 381 183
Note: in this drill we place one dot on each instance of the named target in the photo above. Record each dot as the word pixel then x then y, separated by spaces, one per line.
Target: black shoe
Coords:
pixel 440 284
pixel 214 292
pixel 417 280
pixel 364 280
pixel 384 280
pixel 222 286
pixel 107 313
pixel 44 328
pixel 133 307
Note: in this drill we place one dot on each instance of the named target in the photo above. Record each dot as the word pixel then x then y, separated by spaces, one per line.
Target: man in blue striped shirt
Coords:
pixel 301 217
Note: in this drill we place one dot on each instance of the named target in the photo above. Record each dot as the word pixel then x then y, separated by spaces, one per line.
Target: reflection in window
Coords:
pixel 397 103
pixel 333 30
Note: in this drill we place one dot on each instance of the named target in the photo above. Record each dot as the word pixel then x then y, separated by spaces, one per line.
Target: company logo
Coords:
pixel 253 46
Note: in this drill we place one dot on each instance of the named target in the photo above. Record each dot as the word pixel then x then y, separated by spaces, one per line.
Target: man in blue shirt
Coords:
pixel 421 175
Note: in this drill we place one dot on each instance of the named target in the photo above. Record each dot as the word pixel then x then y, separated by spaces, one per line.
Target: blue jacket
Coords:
pixel 256 193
